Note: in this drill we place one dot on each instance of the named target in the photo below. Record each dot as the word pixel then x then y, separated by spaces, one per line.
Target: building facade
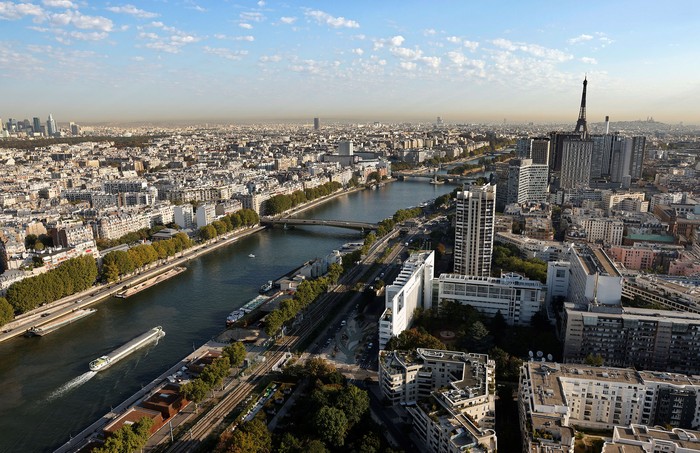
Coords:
pixel 474 230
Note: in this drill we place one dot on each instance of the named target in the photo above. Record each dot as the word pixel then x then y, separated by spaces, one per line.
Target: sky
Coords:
pixel 466 61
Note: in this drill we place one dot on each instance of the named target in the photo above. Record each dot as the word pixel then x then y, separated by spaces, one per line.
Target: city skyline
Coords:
pixel 264 60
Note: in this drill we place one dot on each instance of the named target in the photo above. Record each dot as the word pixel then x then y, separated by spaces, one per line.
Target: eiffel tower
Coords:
pixel 581 126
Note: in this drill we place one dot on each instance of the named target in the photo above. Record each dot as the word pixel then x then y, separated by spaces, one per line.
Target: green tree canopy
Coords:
pixel 331 425
pixel 354 402
pixel 7 313
pixel 236 353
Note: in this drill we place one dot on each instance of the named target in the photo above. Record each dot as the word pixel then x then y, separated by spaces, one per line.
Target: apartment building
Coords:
pixel 646 339
pixel 448 394
pixel 555 397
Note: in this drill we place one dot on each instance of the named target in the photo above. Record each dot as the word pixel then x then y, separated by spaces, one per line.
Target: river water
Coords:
pixel 47 393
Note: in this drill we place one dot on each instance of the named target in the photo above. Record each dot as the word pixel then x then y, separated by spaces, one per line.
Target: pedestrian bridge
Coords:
pixel 290 221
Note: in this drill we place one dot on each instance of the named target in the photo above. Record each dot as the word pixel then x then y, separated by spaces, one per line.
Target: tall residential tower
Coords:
pixel 475 217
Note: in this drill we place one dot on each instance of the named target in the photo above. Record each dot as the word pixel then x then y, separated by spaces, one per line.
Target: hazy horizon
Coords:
pixel 96 62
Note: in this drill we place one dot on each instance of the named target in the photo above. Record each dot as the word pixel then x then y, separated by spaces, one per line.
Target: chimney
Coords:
pixel 607 124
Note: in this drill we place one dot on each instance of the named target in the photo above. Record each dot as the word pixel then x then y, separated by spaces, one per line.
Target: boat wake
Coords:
pixel 70 385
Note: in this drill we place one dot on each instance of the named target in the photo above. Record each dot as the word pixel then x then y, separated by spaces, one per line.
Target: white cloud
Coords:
pixel 580 38
pixel 406 53
pixel 533 49
pixel 459 59
pixel 252 17
pixel 358 51
pixel 429 32
pixel 588 60
pixel 244 38
pixel 132 11
pixel 397 40
pixel 183 39
pixel 226 53
pixel 12 11
pixel 81 21
pixel 471 45
pixel 270 58
pixel 335 22
pixel 59 4
pixel 454 39
pixel 261 3
pixel 408 65
pixel 288 20
pixel 603 39
pixel 245 25
pixel 176 40
pixel 220 36
pixel 433 62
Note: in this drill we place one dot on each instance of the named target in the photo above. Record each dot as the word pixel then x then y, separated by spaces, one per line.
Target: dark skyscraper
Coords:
pixel 36 125
pixel 317 124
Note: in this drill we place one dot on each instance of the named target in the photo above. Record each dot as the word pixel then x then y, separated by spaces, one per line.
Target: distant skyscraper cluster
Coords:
pixel 35 128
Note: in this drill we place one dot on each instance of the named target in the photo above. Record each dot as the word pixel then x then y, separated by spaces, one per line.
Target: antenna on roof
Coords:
pixel 550 358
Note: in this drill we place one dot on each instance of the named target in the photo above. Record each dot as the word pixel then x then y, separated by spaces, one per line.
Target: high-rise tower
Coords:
pixel 581 126
pixel 474 231
pixel 51 126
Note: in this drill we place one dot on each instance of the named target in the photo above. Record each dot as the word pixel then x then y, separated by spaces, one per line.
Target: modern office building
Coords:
pixel 345 148
pixel 600 159
pixel 448 394
pixel 627 159
pixel 474 230
pixel 317 124
pixel 660 340
pixel 527 182
pixel 412 288
pixel 539 150
pixel 576 163
pixel 51 126
pixel 514 296
pixel 36 125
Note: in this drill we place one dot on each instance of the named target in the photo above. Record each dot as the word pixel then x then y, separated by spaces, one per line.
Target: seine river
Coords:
pixel 46 396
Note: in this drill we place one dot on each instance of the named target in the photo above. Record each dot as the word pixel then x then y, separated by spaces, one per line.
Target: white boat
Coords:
pixel 251 256
pixel 108 360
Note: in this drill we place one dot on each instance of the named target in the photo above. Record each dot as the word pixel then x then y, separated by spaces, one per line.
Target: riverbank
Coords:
pixel 54 310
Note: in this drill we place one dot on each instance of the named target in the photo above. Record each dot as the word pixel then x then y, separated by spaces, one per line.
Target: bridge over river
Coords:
pixel 290 221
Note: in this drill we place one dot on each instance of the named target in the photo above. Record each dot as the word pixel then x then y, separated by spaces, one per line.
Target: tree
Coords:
pixel 594 360
pixel 7 313
pixel 289 444
pixel 370 443
pixel 316 446
pixel 110 271
pixel 207 232
pixel 195 390
pixel 331 425
pixel 354 402
pixel 236 353
pixel 128 438
pixel 414 338
pixel 38 246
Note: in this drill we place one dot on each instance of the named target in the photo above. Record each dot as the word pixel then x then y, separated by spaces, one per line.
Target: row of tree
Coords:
pixel 240 218
pixel 280 203
pixel 128 438
pixel 7 312
pixel 70 277
pixel 306 292
pixel 120 262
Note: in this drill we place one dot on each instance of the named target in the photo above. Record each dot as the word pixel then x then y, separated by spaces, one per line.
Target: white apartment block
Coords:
pixel 206 214
pixel 557 279
pixel 124 185
pixel 183 216
pixel 555 397
pixel 605 231
pixel 514 296
pixel 641 438
pixel 528 182
pixel 116 226
pixel 474 230
pixel 628 201
pixel 449 395
pixel 412 288
pixel 593 277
